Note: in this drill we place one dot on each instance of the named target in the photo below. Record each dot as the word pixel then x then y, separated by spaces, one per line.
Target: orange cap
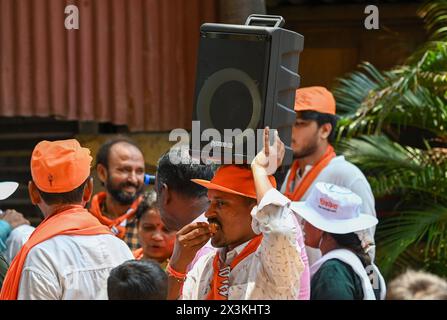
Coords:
pixel 233 179
pixel 315 99
pixel 60 166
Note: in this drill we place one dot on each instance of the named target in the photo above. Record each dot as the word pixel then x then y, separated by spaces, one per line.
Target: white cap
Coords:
pixel 333 209
pixel 7 189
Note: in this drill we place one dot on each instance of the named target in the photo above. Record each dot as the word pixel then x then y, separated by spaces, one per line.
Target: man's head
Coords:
pixel 231 214
pixel 120 168
pixel 315 122
pixel 417 285
pixel 232 195
pixel 137 280
pixel 179 199
pixel 60 175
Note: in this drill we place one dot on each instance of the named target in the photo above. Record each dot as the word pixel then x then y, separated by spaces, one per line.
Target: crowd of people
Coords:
pixel 204 231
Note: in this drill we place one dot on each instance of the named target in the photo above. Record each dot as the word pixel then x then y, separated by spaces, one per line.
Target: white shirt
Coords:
pixel 345 174
pixel 71 267
pixel 273 271
pixel 16 240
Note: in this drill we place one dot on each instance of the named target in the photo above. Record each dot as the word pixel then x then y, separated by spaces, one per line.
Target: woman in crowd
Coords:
pixel 157 242
pixel 331 219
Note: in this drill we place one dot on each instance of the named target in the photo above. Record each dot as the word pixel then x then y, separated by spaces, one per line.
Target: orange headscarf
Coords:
pixel 113 224
pixel 74 220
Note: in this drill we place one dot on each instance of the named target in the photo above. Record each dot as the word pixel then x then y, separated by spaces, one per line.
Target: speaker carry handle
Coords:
pixel 265 20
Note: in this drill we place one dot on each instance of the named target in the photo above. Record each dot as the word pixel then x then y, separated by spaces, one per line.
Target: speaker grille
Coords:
pixel 231 111
pixel 231 83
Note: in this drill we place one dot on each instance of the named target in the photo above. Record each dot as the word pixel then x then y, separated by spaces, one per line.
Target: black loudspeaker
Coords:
pixel 246 79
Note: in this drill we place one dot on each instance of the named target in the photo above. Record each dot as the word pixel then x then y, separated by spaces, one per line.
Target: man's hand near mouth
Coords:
pixel 189 240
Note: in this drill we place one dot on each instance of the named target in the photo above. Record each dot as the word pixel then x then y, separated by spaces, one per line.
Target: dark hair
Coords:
pixel 149 202
pixel 321 118
pixel 137 280
pixel 102 157
pixel 74 196
pixel 177 176
pixel 352 242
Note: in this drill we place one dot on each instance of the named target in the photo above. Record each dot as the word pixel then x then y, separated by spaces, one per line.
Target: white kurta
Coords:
pixel 16 240
pixel 273 271
pixel 71 267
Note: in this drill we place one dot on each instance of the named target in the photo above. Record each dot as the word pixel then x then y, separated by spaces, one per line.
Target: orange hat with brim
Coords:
pixel 317 99
pixel 60 166
pixel 233 179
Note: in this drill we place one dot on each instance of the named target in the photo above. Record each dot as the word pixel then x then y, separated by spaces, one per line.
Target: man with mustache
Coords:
pixel 254 230
pixel 180 200
pixel 120 168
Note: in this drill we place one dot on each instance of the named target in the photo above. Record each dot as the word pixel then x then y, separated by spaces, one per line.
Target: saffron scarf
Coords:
pixel 113 224
pixel 220 282
pixel 306 182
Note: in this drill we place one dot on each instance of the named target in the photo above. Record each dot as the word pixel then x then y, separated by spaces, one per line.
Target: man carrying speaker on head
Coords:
pixel 182 205
pixel 316 161
pixel 250 223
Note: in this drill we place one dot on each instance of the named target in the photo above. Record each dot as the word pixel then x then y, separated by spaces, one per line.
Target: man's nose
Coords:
pixel 210 213
pixel 133 178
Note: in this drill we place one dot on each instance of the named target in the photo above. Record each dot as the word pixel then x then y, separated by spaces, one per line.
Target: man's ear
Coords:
pixel 252 205
pixel 101 171
pixel 88 190
pixel 166 192
pixel 322 234
pixel 325 130
pixel 33 192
